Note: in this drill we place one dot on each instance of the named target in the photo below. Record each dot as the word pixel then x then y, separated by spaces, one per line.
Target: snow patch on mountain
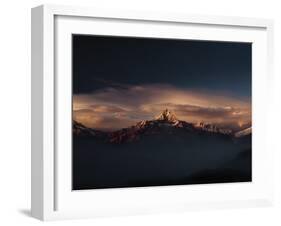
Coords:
pixel 244 132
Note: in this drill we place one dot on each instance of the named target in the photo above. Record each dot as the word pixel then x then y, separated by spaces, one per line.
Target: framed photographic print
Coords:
pixel 137 112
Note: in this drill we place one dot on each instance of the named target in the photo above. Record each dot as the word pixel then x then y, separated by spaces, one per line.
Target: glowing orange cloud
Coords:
pixel 115 108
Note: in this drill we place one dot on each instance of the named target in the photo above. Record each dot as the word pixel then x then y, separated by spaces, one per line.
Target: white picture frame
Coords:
pixel 52 197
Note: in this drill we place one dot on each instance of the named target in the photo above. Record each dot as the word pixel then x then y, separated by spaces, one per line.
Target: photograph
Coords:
pixel 160 111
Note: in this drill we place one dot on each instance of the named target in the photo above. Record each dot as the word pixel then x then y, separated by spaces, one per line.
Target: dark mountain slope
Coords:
pixel 164 151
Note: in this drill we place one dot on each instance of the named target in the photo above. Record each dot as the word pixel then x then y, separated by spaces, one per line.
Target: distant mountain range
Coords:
pixel 165 123
pixel 162 151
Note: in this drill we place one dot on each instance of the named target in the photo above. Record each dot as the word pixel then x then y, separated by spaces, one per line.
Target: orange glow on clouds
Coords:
pixel 115 108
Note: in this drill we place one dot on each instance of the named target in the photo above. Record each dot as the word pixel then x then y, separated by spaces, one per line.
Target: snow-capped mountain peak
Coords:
pixel 167 115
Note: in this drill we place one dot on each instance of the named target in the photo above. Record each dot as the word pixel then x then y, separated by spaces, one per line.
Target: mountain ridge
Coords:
pixel 161 151
pixel 165 123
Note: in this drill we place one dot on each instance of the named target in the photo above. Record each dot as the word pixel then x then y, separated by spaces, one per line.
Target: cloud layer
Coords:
pixel 120 107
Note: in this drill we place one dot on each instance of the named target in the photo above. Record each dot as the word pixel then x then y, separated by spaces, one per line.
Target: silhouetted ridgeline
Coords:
pixel 164 151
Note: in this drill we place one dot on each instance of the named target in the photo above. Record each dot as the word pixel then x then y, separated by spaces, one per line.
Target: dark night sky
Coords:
pixel 216 66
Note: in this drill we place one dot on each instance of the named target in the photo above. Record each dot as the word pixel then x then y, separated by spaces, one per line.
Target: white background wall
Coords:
pixel 15 112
